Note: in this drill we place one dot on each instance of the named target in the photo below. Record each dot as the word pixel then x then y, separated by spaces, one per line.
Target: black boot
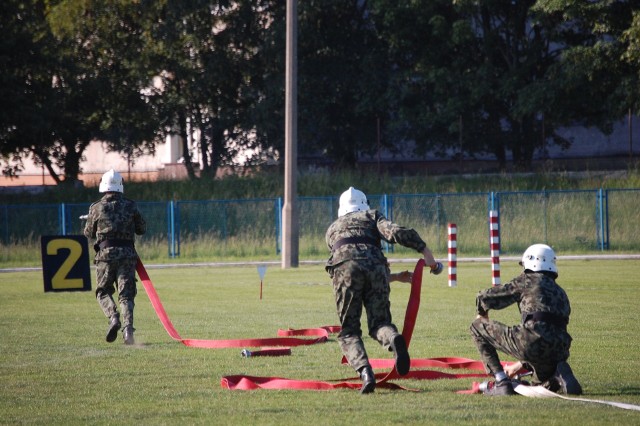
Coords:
pixel 368 380
pixel 128 336
pixel 401 354
pixel 114 326
pixel 566 380
pixel 501 388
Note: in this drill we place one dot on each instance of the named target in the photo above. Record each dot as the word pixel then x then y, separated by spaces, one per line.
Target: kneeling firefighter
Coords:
pixel 541 342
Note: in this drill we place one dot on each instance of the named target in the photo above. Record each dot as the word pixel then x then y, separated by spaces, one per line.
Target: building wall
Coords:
pixel 166 163
pixel 591 149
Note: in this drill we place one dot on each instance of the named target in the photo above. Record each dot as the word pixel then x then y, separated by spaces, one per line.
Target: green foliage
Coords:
pixel 58 370
pixel 456 78
pixel 343 76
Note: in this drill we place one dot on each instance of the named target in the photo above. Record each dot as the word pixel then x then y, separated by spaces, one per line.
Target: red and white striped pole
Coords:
pixel 495 247
pixel 452 250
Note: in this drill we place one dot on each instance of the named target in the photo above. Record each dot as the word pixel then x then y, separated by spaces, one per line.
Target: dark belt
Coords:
pixel 115 243
pixel 547 317
pixel 355 240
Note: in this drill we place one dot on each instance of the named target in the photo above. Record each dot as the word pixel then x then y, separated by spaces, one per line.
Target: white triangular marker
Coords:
pixel 262 269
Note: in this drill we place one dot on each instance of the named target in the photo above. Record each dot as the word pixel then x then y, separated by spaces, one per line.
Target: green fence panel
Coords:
pixel 565 220
pixel 26 223
pixel 623 224
pixel 569 221
pixel 226 227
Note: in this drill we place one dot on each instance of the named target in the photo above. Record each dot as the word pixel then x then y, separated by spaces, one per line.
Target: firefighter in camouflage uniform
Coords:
pixel 360 275
pixel 113 222
pixel 540 343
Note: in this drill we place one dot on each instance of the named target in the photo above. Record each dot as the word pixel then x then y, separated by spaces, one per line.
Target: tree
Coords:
pixel 431 68
pixel 464 77
pixel 206 54
pixel 106 59
pixel 465 69
pixel 606 66
pixel 69 85
pixel 497 76
pixel 27 118
pixel 342 76
pixel 107 75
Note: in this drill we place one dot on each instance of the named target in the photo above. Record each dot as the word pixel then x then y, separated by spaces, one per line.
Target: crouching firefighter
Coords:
pixel 541 342
pixel 113 222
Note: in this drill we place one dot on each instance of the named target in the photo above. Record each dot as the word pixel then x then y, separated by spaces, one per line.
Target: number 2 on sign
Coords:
pixel 59 279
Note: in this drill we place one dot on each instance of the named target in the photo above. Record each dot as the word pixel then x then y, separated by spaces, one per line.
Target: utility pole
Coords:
pixel 630 135
pixel 290 231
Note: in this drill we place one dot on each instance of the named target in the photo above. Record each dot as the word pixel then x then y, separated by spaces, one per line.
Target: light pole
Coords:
pixel 290 234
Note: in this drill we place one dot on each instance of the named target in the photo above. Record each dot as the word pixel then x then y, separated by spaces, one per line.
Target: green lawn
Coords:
pixel 56 367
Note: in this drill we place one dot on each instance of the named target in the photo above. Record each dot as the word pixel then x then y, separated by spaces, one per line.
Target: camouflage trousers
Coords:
pixel 358 284
pixel 121 272
pixel 540 355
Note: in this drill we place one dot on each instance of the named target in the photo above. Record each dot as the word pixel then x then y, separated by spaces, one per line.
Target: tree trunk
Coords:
pixel 215 140
pixel 72 162
pixel 46 162
pixel 186 154
pixel 501 156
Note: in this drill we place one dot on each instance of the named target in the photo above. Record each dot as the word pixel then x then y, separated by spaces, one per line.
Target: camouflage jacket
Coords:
pixel 114 217
pixel 370 224
pixel 532 291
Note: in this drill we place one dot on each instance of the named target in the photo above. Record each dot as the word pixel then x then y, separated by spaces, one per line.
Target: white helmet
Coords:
pixel 539 257
pixel 111 182
pixel 352 200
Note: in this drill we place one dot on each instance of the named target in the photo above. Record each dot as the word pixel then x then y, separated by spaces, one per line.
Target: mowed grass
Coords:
pixel 57 369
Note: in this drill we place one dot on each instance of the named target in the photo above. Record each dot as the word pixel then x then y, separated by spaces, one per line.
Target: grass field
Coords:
pixel 57 369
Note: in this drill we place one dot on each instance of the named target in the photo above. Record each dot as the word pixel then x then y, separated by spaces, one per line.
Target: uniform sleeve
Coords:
pixel 90 226
pixel 499 297
pixel 140 223
pixel 328 236
pixel 396 234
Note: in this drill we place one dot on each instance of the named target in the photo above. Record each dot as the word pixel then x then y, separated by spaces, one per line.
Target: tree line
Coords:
pixel 454 77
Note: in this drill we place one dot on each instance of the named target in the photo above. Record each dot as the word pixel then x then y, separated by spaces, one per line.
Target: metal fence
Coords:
pixel 570 221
